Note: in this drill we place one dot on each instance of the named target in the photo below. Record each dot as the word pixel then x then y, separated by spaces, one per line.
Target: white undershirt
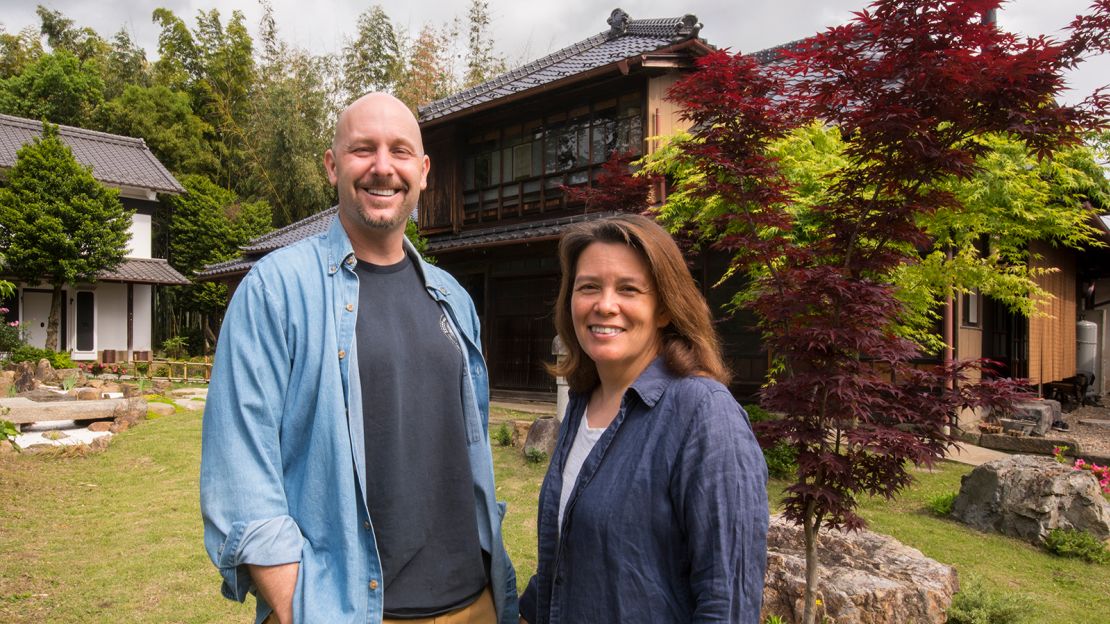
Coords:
pixel 584 441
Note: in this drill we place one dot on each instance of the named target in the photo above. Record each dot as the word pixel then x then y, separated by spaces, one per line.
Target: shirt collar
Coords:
pixel 342 255
pixel 653 382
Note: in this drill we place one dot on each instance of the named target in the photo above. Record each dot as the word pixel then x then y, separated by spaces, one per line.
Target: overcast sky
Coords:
pixel 525 30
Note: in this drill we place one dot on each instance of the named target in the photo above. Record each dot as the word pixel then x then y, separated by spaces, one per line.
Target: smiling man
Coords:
pixel 346 473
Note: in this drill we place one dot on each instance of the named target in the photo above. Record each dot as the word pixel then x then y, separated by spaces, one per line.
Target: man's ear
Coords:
pixel 329 166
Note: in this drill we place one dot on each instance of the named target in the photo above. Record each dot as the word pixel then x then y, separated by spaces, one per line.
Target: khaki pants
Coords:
pixel 480 611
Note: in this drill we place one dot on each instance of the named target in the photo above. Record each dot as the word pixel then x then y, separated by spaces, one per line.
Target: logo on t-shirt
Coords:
pixel 443 325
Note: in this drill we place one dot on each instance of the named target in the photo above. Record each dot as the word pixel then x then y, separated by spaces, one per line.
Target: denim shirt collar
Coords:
pixel 653 382
pixel 340 253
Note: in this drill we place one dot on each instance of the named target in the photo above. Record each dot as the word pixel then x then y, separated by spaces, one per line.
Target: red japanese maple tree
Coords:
pixel 909 83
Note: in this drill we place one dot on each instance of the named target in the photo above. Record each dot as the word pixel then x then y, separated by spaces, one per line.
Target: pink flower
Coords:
pixel 3 310
pixel 14 323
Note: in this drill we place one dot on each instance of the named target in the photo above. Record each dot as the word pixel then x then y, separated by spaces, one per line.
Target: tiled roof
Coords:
pixel 625 39
pixel 316 224
pixel 115 159
pixel 532 230
pixel 144 271
pixel 253 251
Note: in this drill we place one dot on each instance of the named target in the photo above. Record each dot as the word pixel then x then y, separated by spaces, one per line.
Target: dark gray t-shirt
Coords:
pixel 418 481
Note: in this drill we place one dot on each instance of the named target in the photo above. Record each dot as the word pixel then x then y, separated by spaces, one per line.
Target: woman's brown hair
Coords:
pixel 690 344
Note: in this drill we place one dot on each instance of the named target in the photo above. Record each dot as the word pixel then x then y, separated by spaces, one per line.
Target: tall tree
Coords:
pixel 19 50
pixel 372 60
pixel 62 34
pixel 482 63
pixel 912 85
pixel 125 65
pixel 165 120
pixel 428 73
pixel 208 224
pixel 60 225
pixel 57 87
pixel 289 128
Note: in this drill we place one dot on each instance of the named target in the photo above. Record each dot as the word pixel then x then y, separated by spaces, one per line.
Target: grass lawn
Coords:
pixel 115 536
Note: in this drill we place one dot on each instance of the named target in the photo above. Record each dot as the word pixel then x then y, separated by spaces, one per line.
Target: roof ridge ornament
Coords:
pixel 687 28
pixel 618 23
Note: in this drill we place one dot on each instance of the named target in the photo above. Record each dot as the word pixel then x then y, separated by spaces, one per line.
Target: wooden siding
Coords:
pixel 1052 331
pixel 664 116
pixel 437 202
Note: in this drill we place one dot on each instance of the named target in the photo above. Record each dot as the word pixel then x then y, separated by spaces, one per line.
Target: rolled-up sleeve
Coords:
pixel 243 501
pixel 720 487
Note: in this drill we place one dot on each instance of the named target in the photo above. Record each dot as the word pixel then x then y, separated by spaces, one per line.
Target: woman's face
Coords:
pixel 615 308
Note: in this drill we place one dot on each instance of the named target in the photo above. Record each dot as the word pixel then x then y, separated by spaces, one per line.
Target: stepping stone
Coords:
pixel 1095 422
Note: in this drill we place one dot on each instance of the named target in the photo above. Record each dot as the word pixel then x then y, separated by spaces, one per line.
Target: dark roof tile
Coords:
pixel 606 48
pixel 114 159
pixel 144 271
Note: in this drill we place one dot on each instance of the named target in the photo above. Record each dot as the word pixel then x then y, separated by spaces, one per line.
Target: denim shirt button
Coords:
pixel 350 307
pixel 373 584
pixel 342 354
pixel 366 524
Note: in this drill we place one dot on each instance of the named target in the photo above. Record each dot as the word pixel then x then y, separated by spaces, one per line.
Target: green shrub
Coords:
pixel 9 432
pixel 534 455
pixel 974 604
pixel 11 336
pixel 27 353
pixel 782 461
pixel 1077 544
pixel 757 413
pixel 176 347
pixel 502 435
pixel 774 619
pixel 942 504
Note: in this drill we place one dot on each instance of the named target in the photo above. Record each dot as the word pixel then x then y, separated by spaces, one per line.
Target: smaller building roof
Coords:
pixel 625 39
pixel 309 226
pixel 547 229
pixel 115 160
pixel 145 271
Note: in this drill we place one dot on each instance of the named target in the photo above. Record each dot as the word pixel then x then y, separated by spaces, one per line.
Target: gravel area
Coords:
pixel 1092 439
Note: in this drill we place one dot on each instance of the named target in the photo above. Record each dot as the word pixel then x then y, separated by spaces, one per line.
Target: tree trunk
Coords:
pixel 809 616
pixel 56 301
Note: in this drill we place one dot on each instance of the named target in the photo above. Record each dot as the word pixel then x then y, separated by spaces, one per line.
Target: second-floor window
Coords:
pixel 517 169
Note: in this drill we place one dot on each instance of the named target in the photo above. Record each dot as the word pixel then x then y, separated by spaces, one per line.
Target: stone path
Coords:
pixel 67 432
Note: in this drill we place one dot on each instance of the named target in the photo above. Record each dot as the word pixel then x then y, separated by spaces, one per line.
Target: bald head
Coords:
pixel 377 105
pixel 378 167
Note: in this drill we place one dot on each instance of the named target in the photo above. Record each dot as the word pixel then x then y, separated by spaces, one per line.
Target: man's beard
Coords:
pixel 391 223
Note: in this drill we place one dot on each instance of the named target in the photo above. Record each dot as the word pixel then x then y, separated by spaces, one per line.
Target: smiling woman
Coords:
pixel 654 506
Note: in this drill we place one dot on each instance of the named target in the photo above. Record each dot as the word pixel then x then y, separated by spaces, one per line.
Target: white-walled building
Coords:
pixel 113 314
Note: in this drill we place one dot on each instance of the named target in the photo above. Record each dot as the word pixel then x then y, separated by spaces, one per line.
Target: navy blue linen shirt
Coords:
pixel 668 519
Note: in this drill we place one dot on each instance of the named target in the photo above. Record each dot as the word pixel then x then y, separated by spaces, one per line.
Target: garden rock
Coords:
pixel 7 380
pixel 86 394
pixel 1026 497
pixel 94 383
pixel 520 432
pixel 129 391
pixel 44 372
pixel 119 426
pixel 42 395
pixel 542 435
pixel 160 386
pixel 100 425
pixel 25 377
pixel 864 578
pixel 162 409
pixel 6 447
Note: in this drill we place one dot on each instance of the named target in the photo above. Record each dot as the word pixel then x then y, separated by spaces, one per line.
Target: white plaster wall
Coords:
pixel 111 316
pixel 143 313
pixel 140 246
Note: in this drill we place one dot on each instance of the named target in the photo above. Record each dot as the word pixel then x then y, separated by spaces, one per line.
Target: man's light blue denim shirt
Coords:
pixel 283 465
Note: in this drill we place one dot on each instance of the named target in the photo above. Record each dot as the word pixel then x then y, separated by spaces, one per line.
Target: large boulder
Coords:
pixel 44 372
pixel 1026 497
pixel 7 380
pixel 864 578
pixel 25 380
pixel 542 435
